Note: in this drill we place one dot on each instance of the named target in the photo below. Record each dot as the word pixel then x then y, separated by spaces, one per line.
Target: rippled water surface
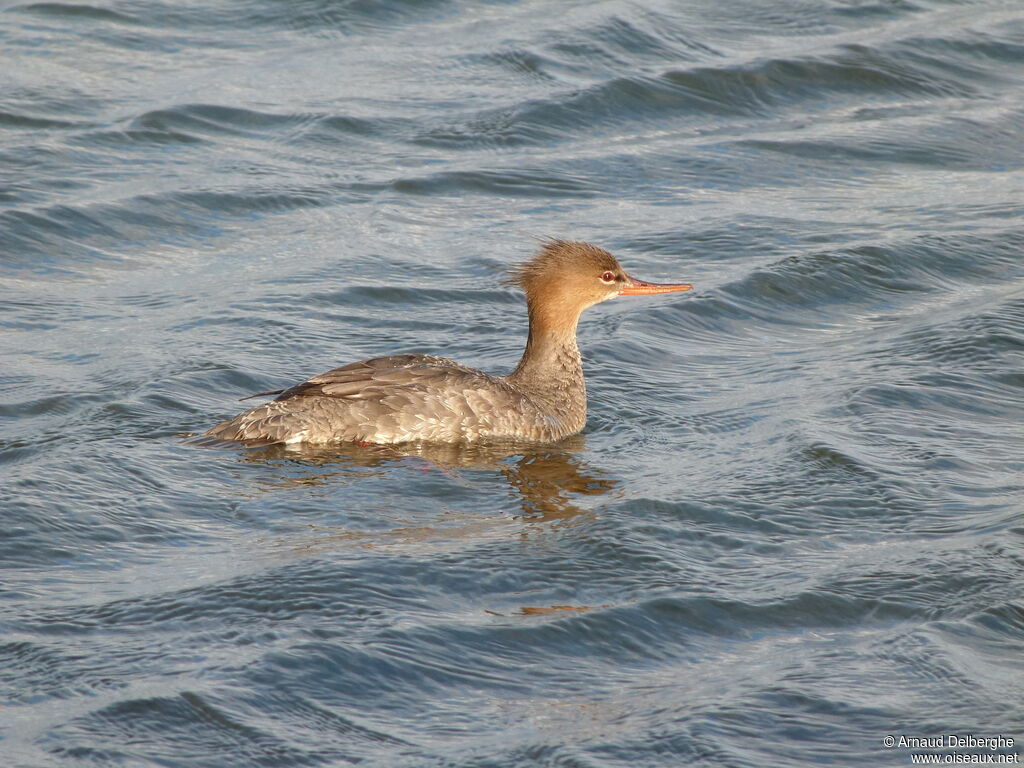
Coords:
pixel 793 524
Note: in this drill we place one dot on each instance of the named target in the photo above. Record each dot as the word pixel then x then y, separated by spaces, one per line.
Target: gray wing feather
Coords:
pixel 390 400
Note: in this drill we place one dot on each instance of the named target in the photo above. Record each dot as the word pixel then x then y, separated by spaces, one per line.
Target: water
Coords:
pixel 793 525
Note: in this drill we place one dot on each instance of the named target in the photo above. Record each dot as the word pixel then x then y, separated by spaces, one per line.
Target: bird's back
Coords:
pixel 395 399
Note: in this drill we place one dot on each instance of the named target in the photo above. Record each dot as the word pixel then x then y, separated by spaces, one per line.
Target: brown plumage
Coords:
pixel 406 398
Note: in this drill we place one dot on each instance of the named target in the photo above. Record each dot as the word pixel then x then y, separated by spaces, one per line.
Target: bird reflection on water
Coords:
pixel 548 478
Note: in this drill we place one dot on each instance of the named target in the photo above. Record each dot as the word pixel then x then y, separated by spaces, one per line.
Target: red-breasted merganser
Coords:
pixel 407 398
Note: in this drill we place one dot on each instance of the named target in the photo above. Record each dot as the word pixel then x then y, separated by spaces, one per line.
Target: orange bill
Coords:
pixel 634 287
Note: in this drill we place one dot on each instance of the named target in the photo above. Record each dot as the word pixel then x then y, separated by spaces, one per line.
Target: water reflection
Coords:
pixel 547 478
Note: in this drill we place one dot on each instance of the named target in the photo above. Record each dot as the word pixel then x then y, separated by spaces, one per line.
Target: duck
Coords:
pixel 410 398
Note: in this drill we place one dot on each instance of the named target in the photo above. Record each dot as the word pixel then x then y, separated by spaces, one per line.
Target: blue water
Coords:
pixel 793 525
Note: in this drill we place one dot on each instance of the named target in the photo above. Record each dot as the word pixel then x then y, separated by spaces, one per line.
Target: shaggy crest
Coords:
pixel 557 256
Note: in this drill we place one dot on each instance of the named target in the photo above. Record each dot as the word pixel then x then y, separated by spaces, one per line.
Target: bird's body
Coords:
pixel 405 398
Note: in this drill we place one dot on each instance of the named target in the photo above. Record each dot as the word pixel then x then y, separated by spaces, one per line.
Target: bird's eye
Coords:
pixel 608 277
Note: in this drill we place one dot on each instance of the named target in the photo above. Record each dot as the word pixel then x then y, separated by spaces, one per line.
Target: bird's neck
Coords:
pixel 551 368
